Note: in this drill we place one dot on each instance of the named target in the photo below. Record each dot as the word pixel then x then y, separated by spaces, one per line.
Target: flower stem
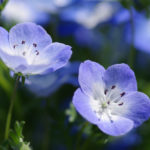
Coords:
pixel 12 100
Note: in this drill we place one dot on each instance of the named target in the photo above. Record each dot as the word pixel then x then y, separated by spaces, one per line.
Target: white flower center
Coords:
pixel 108 102
pixel 29 51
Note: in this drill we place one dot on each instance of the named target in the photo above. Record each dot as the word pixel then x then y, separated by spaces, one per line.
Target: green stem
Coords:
pixel 132 53
pixel 2 6
pixel 9 115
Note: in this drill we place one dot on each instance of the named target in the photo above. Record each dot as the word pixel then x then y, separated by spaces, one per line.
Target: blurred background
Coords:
pixel 105 31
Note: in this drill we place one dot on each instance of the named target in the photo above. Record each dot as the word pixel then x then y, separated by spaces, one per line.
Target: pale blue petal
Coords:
pixel 16 63
pixel 121 76
pixel 138 105
pixel 36 69
pixel 90 78
pixel 55 56
pixel 6 54
pixel 4 42
pixel 81 103
pixel 45 84
pixel 31 34
pixel 117 126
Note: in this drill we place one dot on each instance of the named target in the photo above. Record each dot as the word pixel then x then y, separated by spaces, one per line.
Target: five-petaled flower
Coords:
pixel 28 49
pixel 109 98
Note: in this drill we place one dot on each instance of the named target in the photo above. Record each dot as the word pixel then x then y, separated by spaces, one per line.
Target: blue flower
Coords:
pixel 38 11
pixel 109 98
pixel 44 85
pixel 141 32
pixel 1 1
pixel 141 28
pixel 24 11
pixel 122 16
pixel 125 142
pixel 28 49
pixel 88 14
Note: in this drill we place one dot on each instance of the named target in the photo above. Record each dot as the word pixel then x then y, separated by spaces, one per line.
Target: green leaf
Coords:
pixel 25 147
pixel 71 112
pixel 16 138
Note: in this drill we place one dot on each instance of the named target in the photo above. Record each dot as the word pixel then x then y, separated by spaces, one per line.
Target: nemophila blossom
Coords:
pixel 141 28
pixel 125 142
pixel 88 14
pixel 121 16
pixel 28 49
pixel 38 11
pixel 24 11
pixel 52 6
pixel 109 98
pixel 142 31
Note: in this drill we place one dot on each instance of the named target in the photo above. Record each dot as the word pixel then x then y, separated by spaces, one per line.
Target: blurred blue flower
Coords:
pixel 83 19
pixel 141 32
pixel 109 98
pixel 28 49
pixel 44 85
pixel 38 11
pixel 83 36
pixel 1 1
pixel 24 11
pixel 88 13
pixel 122 16
pixel 88 38
pixel 141 25
pixel 66 28
pixel 52 6
pixel 125 142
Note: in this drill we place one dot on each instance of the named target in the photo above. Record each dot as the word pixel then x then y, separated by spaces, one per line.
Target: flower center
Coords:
pixel 28 50
pixel 114 95
pixel 110 100
pixel 104 105
pixel 24 47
